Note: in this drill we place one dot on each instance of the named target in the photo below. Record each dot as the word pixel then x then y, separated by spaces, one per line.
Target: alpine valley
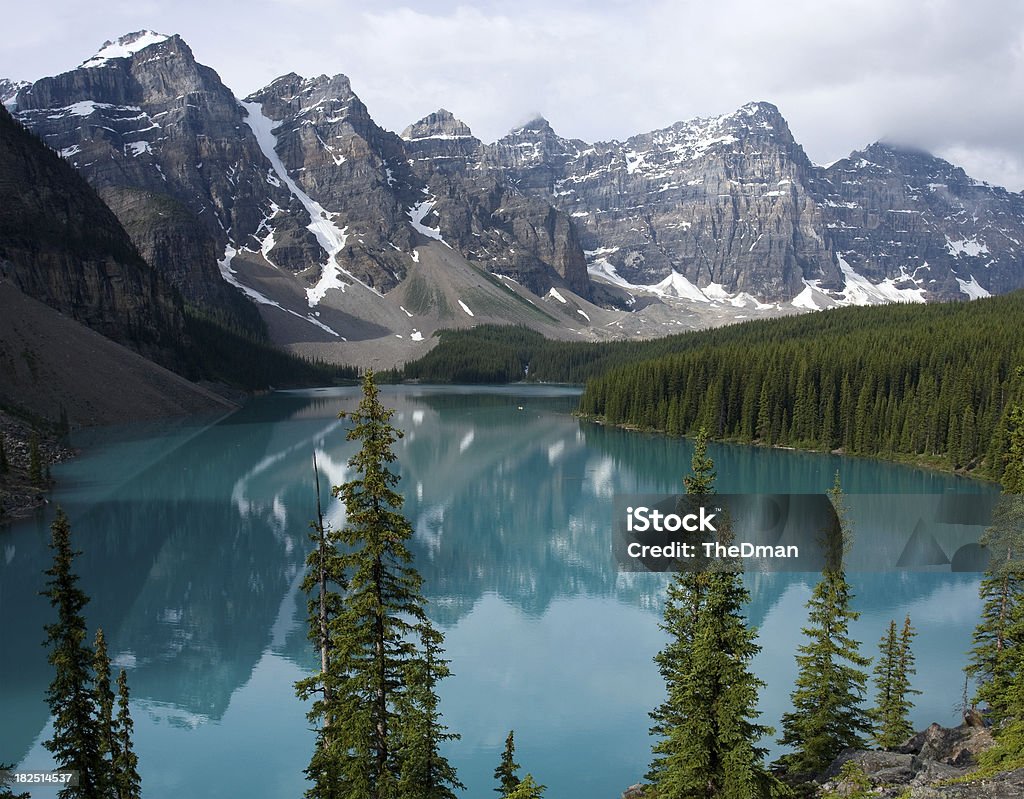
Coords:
pixel 356 244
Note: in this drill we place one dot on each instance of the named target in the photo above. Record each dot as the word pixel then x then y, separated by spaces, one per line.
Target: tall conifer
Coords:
pixel 893 670
pixel 104 698
pixel 707 728
pixel 379 677
pixel 127 784
pixel 75 742
pixel 827 716
pixel 505 773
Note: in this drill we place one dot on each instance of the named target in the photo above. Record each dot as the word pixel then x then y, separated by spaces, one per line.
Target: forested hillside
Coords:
pixel 923 382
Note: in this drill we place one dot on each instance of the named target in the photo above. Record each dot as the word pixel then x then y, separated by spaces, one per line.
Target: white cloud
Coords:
pixel 940 74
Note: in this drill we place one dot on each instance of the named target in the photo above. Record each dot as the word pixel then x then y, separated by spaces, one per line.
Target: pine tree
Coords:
pixel 997 658
pixel 373 630
pixel 893 670
pixel 708 736
pixel 424 772
pixel 127 784
pixel 505 773
pixel 75 743
pixel 528 789
pixel 104 698
pixel 827 716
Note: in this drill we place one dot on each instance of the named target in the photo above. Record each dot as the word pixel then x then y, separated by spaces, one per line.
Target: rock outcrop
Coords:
pixel 61 245
pixel 936 763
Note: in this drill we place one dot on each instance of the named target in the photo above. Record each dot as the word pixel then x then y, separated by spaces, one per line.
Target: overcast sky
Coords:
pixel 944 75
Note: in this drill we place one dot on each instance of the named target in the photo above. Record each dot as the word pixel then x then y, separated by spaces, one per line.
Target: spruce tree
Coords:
pixel 528 788
pixel 103 695
pixel 893 670
pixel 424 772
pixel 707 729
pixel 374 631
pixel 997 657
pixel 505 773
pixel 127 784
pixel 827 716
pixel 75 743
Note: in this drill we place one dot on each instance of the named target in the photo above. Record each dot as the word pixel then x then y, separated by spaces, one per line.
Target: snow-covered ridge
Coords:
pixel 125 47
pixel 330 237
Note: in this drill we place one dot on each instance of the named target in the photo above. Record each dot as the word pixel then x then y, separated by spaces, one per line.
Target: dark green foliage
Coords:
pixel 3 455
pixel 75 743
pixel 325 583
pixel 423 771
pixel 103 696
pixel 826 716
pixel 707 732
pixel 997 658
pixel 893 671
pixel 5 789
pixel 379 724
pixel 127 784
pixel 528 789
pixel 932 382
pixel 505 773
pixel 35 462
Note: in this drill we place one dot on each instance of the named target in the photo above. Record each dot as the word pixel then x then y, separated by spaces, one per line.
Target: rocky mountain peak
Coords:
pixel 917 169
pixel 124 47
pixel 442 124
pixel 328 98
pixel 9 91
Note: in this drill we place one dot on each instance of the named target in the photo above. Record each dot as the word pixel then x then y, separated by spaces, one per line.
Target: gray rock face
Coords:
pixel 486 216
pixel 300 175
pixel 906 215
pixel 152 120
pixel 441 137
pixel 62 246
pixel 339 157
pixel 721 200
pixel 734 201
pixel 925 762
pixel 9 91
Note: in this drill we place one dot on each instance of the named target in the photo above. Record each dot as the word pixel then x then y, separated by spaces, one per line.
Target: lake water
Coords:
pixel 194 536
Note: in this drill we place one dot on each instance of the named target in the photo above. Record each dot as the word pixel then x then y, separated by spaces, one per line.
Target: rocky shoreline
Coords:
pixel 20 497
pixel 936 763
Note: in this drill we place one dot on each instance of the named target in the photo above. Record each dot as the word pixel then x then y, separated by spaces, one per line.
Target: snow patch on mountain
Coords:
pixel 812 298
pixel 969 247
pixel 861 291
pixel 262 299
pixel 972 288
pixel 330 237
pixel 416 216
pixel 125 47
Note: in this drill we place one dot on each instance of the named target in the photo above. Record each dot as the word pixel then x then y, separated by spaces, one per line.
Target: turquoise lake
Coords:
pixel 194 534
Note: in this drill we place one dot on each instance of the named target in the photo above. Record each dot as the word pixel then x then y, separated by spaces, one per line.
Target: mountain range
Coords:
pixel 356 243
